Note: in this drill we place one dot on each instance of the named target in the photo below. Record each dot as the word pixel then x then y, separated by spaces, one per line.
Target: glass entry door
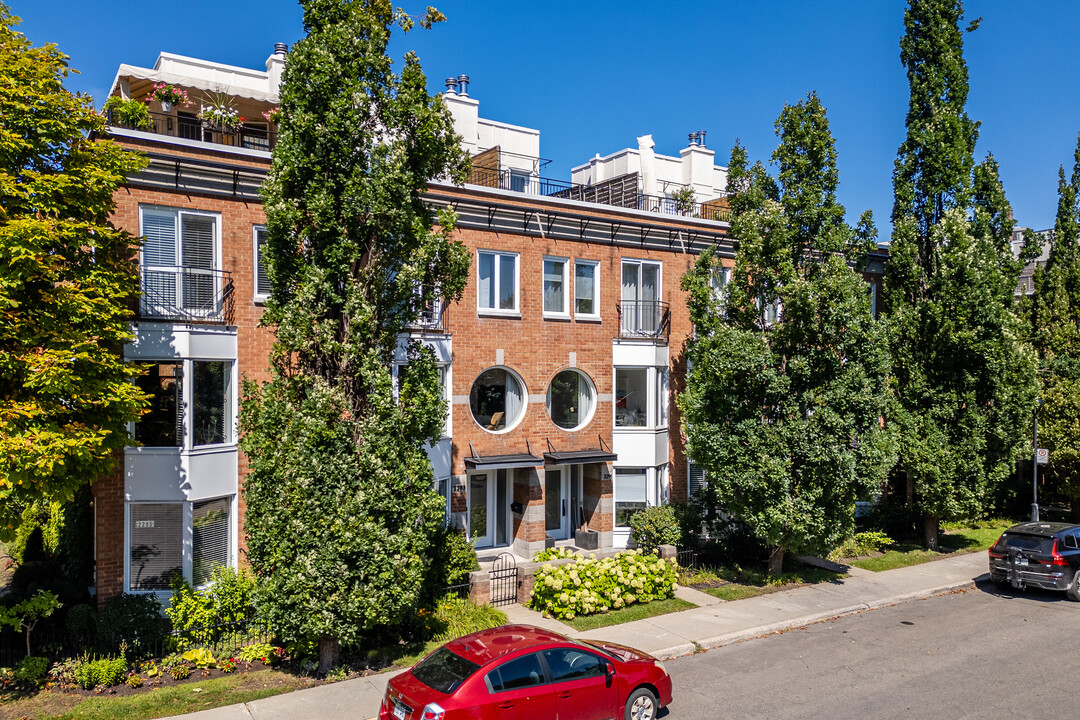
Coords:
pixel 489 508
pixel 562 500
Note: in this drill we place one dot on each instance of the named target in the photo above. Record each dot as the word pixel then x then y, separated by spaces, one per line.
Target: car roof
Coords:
pixel 486 645
pixel 1042 529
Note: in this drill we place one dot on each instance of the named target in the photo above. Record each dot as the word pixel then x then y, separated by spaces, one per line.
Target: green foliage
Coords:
pixel 863 543
pixel 102 672
pixel 132 619
pixel 134 680
pixel 784 413
pixel 82 623
pixel 200 658
pixel 66 285
pixel 655 526
pixel 341 509
pixel 27 614
pixel 133 113
pixel 590 585
pixel 264 652
pixel 1053 320
pixel 457 616
pixel 227 599
pixel 963 379
pixel 453 557
pixel 32 671
pixel 180 672
pixel 555 553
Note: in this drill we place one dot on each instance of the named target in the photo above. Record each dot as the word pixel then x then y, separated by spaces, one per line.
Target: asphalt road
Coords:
pixel 984 653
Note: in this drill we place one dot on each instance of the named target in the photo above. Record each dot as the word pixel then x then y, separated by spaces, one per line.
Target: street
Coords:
pixel 983 653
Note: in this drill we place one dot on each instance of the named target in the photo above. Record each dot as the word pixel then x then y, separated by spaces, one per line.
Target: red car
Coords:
pixel 526 672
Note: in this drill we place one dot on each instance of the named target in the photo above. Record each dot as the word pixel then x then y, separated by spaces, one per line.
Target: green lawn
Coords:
pixel 178 700
pixel 737 583
pixel 638 611
pixel 964 537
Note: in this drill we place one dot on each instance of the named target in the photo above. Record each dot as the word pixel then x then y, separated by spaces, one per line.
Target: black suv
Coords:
pixel 1038 554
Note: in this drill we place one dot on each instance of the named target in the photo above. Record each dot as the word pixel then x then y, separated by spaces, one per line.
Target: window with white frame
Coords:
pixel 497 289
pixel 209 538
pixel 262 279
pixel 157 550
pixel 586 289
pixel 641 397
pixel 873 299
pixel 180 260
pixel 631 494
pixel 641 309
pixel 695 478
pixel 208 394
pixel 718 282
pixel 556 284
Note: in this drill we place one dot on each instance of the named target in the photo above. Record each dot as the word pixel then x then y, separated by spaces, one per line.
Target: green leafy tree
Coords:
pixel 341 508
pixel 66 284
pixel 1054 317
pixel 27 614
pixel 785 415
pixel 963 378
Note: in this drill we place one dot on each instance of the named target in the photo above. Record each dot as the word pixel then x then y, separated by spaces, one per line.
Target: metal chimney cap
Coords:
pixel 281 48
pixel 463 81
pixel 692 138
pixel 451 85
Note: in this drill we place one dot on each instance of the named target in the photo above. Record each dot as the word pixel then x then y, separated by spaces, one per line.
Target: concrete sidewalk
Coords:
pixel 666 636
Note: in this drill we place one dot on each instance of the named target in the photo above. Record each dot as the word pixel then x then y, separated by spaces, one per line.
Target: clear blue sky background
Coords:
pixel 592 76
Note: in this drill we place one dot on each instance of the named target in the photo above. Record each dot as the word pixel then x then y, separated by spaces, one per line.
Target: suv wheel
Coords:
pixel 1073 591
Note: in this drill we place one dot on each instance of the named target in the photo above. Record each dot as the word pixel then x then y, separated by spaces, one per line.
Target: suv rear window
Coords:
pixel 1026 542
pixel 444 671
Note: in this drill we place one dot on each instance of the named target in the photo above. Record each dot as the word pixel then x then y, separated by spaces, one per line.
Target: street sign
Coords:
pixel 1042 456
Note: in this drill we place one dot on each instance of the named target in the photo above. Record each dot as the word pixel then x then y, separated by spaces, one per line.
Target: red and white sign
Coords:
pixel 1042 456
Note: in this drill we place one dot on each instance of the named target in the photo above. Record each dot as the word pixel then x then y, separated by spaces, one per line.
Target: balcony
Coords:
pixel 644 320
pixel 188 127
pixel 186 294
pixel 432 319
pixel 618 192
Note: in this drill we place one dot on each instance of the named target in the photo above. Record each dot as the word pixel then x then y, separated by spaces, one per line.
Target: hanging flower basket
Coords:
pixel 169 95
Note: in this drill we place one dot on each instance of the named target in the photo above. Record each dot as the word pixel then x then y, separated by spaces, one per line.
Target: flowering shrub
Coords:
pixel 227 665
pixel 555 554
pixel 164 92
pixel 590 586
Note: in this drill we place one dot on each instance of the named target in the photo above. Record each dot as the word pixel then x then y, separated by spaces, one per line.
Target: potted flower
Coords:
pixel 273 115
pixel 219 115
pixel 169 95
pixel 132 113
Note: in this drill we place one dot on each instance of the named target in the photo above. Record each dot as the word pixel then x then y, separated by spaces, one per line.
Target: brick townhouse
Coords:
pixel 560 363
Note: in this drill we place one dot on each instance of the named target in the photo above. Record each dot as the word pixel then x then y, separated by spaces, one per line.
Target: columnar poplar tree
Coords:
pixel 66 284
pixel 963 379
pixel 340 503
pixel 1054 316
pixel 785 415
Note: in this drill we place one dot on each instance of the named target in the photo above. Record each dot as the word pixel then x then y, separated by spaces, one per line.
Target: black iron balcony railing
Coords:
pixel 432 318
pixel 617 195
pixel 644 319
pixel 186 294
pixel 189 127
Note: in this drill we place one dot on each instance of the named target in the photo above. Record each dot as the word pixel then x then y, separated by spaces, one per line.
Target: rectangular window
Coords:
pixel 156 544
pixel 179 262
pixel 498 280
pixel 262 280
pixel 695 480
pixel 209 538
pixel 519 182
pixel 719 282
pixel 210 400
pixel 555 295
pixel 873 298
pixel 641 309
pixel 662 396
pixel 586 288
pixel 163 423
pixel 632 397
pixel 631 494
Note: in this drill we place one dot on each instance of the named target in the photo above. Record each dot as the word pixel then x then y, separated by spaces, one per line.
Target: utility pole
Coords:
pixel 1035 461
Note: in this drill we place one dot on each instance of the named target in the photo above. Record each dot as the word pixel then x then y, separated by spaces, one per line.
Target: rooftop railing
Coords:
pixel 189 127
pixel 186 294
pixel 608 193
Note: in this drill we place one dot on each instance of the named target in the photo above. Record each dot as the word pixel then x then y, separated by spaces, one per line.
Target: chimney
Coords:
pixel 465 111
pixel 463 81
pixel 275 66
pixel 697 166
pixel 451 86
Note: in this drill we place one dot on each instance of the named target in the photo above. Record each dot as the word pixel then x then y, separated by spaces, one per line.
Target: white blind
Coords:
pixel 630 486
pixel 197 245
pixel 209 538
pixel 160 231
pixel 696 479
pixel 155 535
pixel 262 281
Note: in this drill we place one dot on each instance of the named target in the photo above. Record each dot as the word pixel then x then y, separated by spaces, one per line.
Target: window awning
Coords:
pixel 502 462
pixel 576 457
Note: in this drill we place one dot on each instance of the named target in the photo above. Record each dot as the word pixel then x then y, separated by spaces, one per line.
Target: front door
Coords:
pixel 489 508
pixel 556 516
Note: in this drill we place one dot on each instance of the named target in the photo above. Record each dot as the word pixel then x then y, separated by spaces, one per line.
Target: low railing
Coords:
pixel 686 557
pixel 186 294
pixel 432 318
pixel 648 319
pixel 602 194
pixel 191 128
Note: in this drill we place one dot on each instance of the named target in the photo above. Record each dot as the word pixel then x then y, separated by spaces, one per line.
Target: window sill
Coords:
pixel 588 318
pixel 511 314
pixel 562 317
pixel 260 299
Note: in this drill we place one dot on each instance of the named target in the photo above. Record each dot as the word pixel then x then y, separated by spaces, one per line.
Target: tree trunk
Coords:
pixel 930 532
pixel 909 490
pixel 776 560
pixel 329 649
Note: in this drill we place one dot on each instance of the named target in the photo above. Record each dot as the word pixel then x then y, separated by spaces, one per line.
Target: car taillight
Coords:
pixel 433 711
pixel 991 550
pixel 1057 559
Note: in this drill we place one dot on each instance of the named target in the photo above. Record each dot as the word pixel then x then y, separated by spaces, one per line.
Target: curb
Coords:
pixel 683 649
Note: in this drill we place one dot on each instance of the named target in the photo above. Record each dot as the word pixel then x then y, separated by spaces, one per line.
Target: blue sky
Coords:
pixel 592 76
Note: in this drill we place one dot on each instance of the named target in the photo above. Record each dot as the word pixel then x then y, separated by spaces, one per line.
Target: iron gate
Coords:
pixel 504 580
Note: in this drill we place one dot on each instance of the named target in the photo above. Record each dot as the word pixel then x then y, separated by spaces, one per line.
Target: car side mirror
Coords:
pixel 609 672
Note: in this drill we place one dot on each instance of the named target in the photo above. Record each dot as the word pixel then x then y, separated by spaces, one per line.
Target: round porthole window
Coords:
pixel 497 399
pixel 571 399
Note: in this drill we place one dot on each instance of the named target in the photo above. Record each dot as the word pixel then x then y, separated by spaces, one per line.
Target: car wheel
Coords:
pixel 641 705
pixel 1073 591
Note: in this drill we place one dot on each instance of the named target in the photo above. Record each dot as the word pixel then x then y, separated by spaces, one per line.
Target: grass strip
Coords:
pixel 638 611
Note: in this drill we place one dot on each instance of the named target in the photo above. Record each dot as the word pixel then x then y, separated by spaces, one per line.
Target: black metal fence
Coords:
pixel 250 135
pixel 187 294
pixel 461 590
pixel 687 558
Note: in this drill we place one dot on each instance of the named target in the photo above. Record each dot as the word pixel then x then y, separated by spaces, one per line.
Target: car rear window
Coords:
pixel 1026 542
pixel 444 671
